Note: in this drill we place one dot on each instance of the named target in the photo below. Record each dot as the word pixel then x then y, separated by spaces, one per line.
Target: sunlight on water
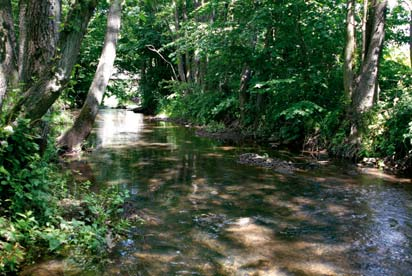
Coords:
pixel 118 128
pixel 206 214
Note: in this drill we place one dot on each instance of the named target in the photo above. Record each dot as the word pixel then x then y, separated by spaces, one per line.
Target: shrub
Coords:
pixel 31 215
pixel 188 102
pixel 295 122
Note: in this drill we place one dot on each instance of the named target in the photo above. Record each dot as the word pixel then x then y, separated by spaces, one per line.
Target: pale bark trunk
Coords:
pixel 244 83
pixel 196 69
pixel 181 67
pixel 364 20
pixel 188 54
pixel 83 124
pixel 3 78
pixel 39 34
pixel 364 93
pixel 410 37
pixel 22 36
pixel 7 49
pixel 350 49
pixel 261 96
pixel 189 68
pixel 180 59
pixel 42 94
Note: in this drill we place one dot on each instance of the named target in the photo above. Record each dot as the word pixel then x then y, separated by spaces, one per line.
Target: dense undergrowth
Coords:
pixel 301 122
pixel 294 92
pixel 40 215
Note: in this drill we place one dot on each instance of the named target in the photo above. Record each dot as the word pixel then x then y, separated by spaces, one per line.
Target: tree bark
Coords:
pixel 244 83
pixel 83 124
pixel 179 56
pixel 365 92
pixel 7 49
pixel 39 34
pixel 22 35
pixel 43 93
pixel 410 37
pixel 364 21
pixel 350 49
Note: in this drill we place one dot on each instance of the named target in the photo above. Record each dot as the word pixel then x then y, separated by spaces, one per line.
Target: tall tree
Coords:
pixel 366 86
pixel 179 55
pixel 83 124
pixel 38 37
pixel 43 93
pixel 364 22
pixel 350 49
pixel 7 48
pixel 410 35
pixel 244 83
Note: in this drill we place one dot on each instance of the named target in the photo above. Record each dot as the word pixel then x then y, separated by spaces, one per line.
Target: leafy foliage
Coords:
pixel 202 108
pixel 32 219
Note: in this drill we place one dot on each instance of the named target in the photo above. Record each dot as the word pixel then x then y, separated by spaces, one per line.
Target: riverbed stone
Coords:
pixel 278 165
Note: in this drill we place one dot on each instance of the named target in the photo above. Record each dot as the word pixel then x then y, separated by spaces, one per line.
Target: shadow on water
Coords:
pixel 205 214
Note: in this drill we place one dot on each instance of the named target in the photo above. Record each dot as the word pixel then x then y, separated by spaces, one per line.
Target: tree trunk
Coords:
pixel 22 35
pixel 410 36
pixel 43 93
pixel 188 63
pixel 7 49
pixel 39 34
pixel 196 69
pixel 364 94
pixel 244 83
pixel 179 55
pixel 350 49
pixel 83 124
pixel 364 20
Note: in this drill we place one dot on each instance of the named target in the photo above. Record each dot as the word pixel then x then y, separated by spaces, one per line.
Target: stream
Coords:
pixel 206 214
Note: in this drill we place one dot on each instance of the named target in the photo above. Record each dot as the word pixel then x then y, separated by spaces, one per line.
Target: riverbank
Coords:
pixel 387 165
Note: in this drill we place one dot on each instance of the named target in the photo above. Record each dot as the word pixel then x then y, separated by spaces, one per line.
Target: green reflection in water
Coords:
pixel 205 214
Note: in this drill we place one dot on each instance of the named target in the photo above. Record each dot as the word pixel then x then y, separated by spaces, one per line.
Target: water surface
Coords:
pixel 205 214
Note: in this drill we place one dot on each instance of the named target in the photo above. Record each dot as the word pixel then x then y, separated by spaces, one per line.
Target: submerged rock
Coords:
pixel 278 165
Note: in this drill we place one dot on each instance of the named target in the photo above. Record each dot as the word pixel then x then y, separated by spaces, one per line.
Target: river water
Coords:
pixel 205 214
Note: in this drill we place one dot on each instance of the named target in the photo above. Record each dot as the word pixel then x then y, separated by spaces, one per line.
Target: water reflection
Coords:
pixel 205 214
pixel 118 128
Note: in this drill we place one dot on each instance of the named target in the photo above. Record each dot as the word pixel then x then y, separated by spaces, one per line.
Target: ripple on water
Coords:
pixel 205 214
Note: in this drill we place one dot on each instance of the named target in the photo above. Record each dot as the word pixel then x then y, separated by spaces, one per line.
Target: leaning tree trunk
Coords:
pixel 364 94
pixel 38 38
pixel 7 48
pixel 43 93
pixel 83 124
